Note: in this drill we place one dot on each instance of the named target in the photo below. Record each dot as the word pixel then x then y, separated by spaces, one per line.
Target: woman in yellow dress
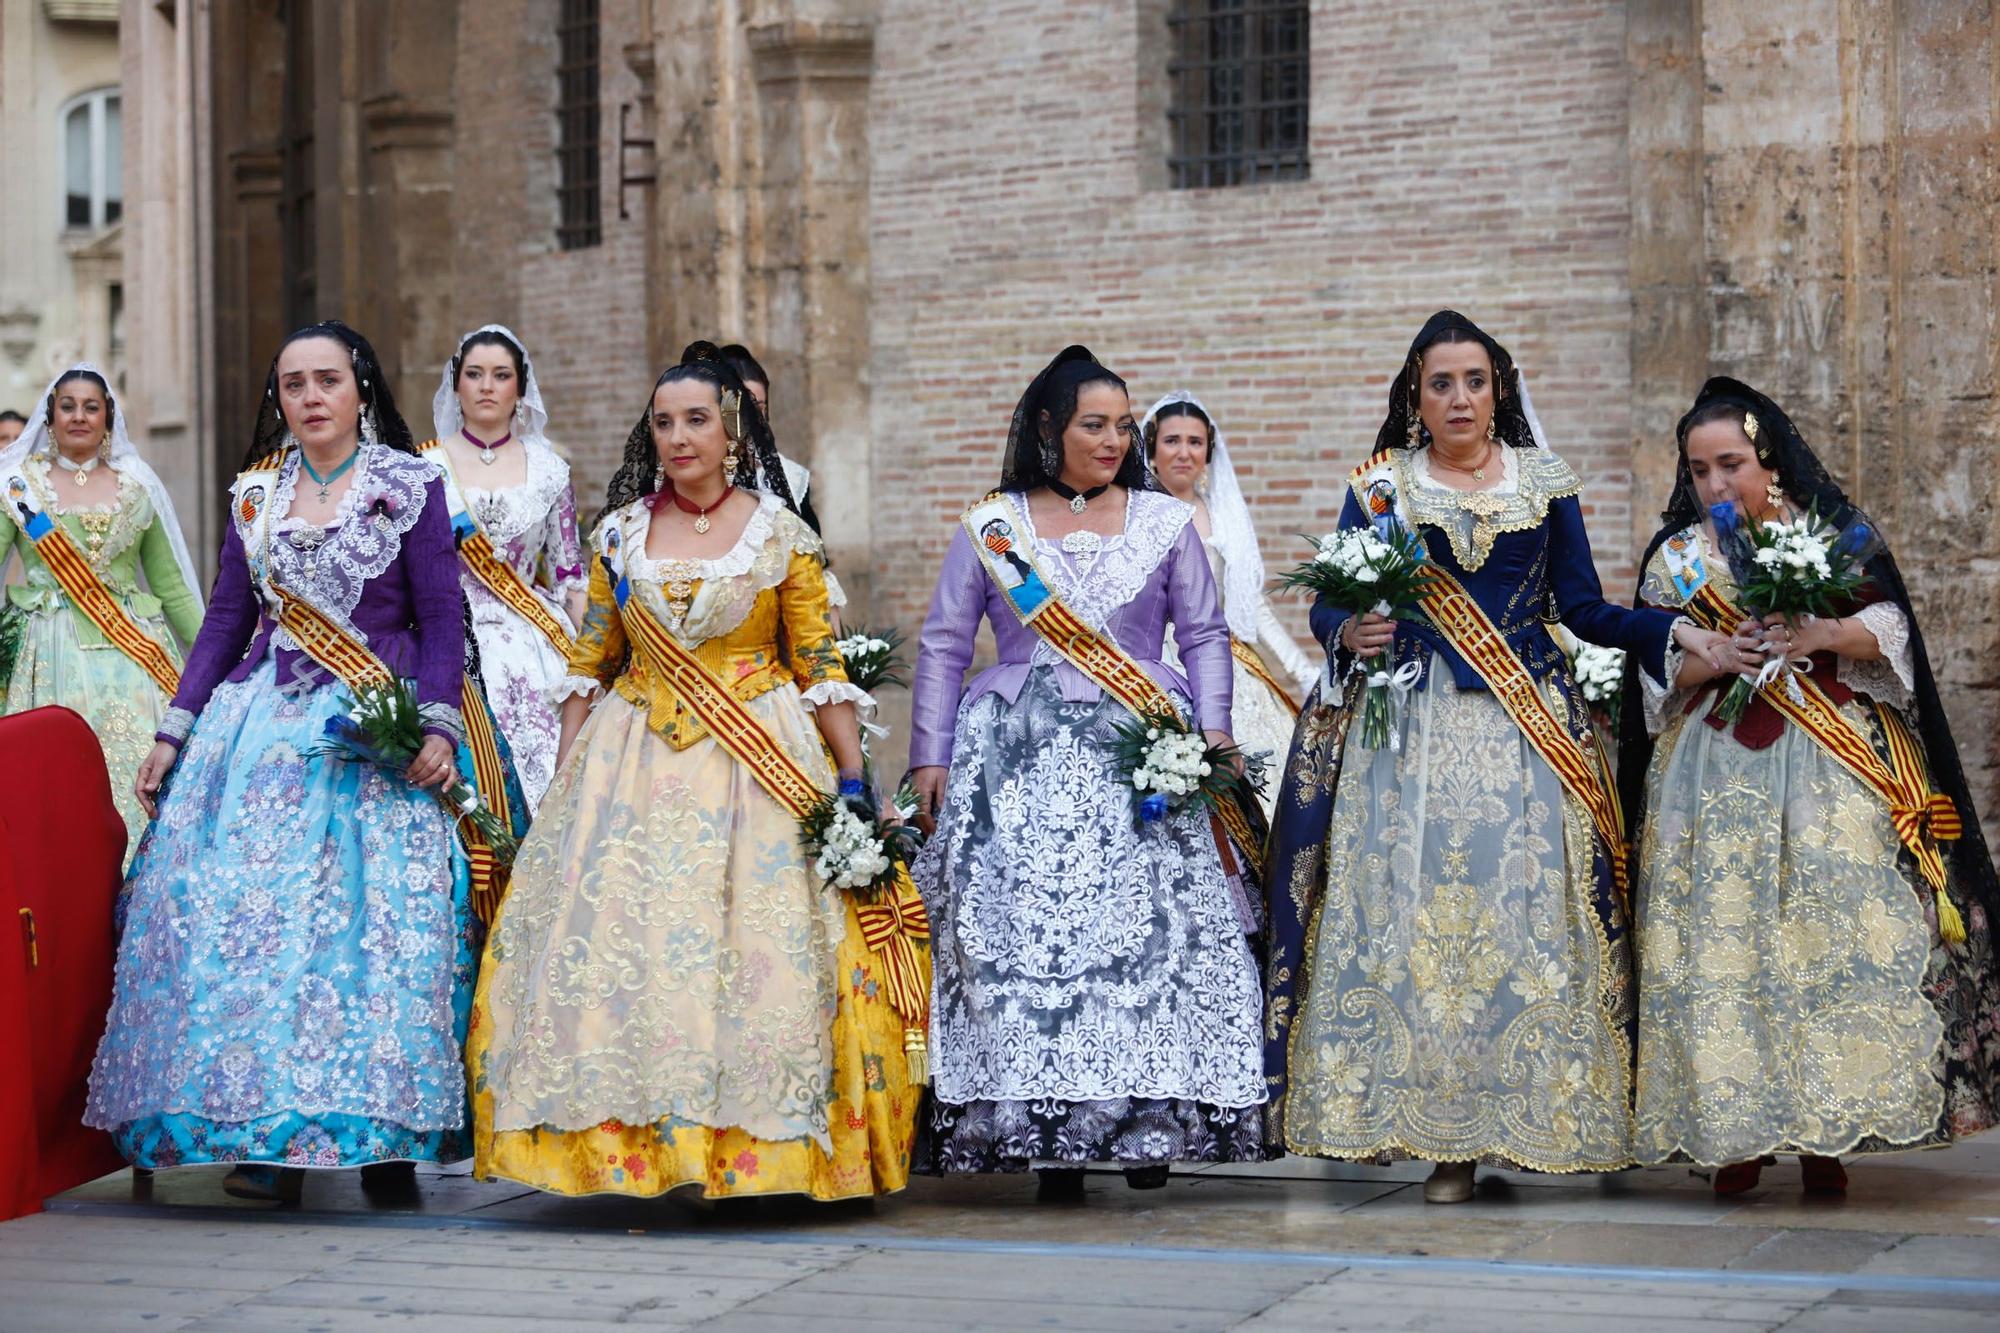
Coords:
pixel 671 996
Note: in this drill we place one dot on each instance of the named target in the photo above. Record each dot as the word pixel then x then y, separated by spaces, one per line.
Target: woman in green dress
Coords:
pixel 76 465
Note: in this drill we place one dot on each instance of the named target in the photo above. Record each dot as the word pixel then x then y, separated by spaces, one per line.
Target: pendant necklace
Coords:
pixel 486 454
pixel 81 471
pixel 700 512
pixel 324 482
pixel 1078 500
pixel 1476 473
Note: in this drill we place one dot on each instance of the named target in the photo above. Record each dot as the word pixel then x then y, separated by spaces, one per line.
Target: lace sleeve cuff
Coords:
pixel 835 594
pixel 1660 701
pixel 442 720
pixel 1893 679
pixel 175 725
pixel 570 687
pixel 840 692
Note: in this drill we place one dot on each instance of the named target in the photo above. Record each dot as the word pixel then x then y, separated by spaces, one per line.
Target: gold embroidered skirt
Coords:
pixel 670 997
pixel 1462 998
pixel 1792 996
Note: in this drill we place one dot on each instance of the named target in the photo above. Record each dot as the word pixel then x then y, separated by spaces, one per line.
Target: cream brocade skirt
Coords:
pixel 1783 954
pixel 670 997
pixel 1462 999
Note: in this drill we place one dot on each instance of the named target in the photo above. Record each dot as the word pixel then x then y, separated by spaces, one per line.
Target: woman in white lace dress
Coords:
pixel 507 483
pixel 1095 1000
pixel 1192 461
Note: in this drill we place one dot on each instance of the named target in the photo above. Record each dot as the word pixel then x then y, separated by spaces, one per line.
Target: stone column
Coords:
pixel 1669 298
pixel 810 268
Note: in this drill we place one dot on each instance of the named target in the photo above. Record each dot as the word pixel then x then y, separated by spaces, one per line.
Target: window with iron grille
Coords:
pixel 1237 113
pixel 580 223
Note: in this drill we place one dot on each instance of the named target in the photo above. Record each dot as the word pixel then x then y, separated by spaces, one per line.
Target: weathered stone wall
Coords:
pixel 1814 189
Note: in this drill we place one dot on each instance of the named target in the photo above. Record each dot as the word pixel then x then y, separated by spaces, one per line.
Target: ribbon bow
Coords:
pixel 1936 819
pixel 1399 683
pixel 1790 669
pixel 896 927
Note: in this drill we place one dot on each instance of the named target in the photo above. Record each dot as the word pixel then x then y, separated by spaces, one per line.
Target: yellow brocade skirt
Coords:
pixel 670 997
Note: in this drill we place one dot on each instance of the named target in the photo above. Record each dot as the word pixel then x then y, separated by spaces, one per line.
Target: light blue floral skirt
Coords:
pixel 295 971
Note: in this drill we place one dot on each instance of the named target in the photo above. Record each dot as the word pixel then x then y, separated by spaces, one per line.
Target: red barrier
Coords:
pixel 61 848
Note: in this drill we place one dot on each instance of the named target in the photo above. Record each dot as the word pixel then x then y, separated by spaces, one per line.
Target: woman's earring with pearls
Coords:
pixel 1773 494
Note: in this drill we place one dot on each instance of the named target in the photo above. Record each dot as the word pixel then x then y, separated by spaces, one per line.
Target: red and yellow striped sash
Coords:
pixel 475 549
pixel 1580 767
pixel 356 666
pixel 86 592
pixel 1922 817
pixel 894 924
pixel 1249 659
pixel 1097 657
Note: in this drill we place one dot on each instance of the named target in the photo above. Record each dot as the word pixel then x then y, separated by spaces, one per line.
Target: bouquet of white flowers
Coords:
pixel 1173 766
pixel 1802 567
pixel 1600 675
pixel 853 849
pixel 873 660
pixel 1381 568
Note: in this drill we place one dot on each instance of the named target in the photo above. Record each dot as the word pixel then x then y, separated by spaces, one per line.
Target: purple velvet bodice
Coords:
pixel 1158 574
pixel 386 567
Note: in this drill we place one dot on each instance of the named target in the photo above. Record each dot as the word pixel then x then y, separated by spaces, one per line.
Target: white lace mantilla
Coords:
pixel 1098 584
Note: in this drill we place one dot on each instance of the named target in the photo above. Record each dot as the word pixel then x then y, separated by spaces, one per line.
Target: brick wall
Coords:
pixel 1463 154
pixel 582 313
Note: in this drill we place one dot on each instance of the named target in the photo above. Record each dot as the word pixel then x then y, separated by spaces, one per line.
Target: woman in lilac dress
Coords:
pixel 1094 999
pixel 296 964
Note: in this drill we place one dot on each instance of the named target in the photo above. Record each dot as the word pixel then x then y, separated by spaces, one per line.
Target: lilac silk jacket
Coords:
pixel 1158 573
pixel 387 568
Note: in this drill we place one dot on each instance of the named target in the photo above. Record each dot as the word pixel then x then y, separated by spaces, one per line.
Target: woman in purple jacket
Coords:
pixel 1094 999
pixel 296 965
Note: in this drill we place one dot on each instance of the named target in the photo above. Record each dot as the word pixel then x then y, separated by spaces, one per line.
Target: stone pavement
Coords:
pixel 1296 1245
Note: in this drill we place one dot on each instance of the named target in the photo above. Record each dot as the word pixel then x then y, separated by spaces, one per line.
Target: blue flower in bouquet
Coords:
pixel 1153 809
pixel 1725 519
pixel 1858 543
pixel 348 733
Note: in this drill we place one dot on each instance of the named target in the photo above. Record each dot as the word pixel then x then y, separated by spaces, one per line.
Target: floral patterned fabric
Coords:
pixel 65 659
pixel 1462 1000
pixel 296 965
pixel 1793 993
pixel 670 996
pixel 533 529
pixel 1005 1136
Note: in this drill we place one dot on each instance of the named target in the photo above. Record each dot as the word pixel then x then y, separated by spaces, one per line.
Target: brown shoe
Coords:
pixel 1450 1182
pixel 1737 1177
pixel 1823 1175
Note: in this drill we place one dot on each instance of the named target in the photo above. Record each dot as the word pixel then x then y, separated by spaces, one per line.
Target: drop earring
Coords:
pixel 729 465
pixel 1774 494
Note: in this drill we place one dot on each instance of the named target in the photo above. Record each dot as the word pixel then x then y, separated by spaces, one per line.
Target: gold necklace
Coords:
pixel 1476 473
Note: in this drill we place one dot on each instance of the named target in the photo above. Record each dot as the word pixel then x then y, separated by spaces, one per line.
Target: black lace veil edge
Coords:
pixel 1510 420
pixel 1807 481
pixel 1021 466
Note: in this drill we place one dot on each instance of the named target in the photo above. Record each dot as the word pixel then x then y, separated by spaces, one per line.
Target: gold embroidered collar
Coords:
pixel 1472 520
